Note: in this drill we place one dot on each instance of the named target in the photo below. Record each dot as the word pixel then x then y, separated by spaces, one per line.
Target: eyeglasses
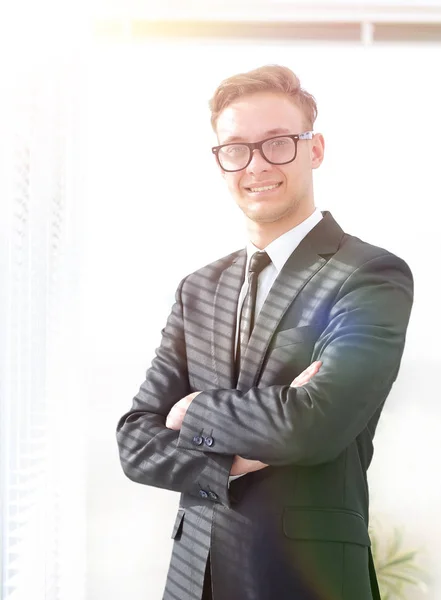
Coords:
pixel 278 150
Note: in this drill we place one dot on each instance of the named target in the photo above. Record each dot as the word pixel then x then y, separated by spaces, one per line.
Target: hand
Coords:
pixel 307 374
pixel 243 465
pixel 178 412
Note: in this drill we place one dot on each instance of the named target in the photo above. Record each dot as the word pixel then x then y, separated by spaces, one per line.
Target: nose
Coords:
pixel 258 163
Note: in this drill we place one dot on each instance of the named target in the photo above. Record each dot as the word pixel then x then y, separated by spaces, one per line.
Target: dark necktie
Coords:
pixel 258 262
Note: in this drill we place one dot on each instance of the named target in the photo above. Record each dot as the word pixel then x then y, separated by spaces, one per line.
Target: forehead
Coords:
pixel 250 118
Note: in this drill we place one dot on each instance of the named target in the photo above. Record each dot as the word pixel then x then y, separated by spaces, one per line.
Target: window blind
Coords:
pixel 37 561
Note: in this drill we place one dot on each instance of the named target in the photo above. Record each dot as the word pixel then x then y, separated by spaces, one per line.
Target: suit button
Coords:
pixel 213 496
pixel 203 494
pixel 209 441
pixel 198 440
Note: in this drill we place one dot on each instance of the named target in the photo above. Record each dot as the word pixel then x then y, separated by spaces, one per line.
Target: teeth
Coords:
pixel 265 188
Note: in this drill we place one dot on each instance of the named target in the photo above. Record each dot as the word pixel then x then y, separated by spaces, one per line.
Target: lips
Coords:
pixel 263 187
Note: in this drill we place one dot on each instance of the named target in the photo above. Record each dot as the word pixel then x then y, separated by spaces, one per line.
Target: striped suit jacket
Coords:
pixel 297 529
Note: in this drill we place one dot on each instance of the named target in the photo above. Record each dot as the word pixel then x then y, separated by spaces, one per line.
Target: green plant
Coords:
pixel 397 568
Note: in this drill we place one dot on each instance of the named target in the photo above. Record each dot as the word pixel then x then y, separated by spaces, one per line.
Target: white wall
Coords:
pixel 149 218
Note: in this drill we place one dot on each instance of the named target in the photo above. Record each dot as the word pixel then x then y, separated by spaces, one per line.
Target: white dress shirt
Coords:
pixel 279 250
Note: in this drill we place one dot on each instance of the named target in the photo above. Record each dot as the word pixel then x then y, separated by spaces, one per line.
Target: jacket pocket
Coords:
pixel 295 335
pixel 325 524
pixel 329 548
pixel 177 527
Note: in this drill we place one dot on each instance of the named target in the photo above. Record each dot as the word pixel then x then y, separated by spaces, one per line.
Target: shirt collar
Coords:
pixel 280 249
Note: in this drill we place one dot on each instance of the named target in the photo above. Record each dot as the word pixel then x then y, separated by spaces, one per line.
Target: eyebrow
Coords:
pixel 269 133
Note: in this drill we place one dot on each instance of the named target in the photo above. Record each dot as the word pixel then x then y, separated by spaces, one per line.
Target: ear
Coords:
pixel 317 150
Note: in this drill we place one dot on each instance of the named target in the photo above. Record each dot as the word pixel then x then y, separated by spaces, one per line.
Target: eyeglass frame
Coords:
pixel 306 135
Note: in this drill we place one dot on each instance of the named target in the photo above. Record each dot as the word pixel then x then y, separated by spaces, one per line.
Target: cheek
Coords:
pixel 292 177
pixel 282 174
pixel 233 182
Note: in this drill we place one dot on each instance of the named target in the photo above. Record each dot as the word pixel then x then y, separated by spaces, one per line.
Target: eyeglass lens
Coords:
pixel 276 150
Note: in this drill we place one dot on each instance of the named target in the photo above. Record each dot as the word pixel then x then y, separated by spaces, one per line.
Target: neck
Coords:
pixel 262 234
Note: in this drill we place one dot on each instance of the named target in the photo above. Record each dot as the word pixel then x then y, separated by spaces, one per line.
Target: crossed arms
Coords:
pixel 240 465
pixel 360 350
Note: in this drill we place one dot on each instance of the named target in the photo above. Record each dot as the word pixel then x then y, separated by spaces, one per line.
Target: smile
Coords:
pixel 265 188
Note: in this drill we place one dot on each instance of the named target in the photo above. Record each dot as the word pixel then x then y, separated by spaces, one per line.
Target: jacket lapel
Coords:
pixel 307 259
pixel 224 325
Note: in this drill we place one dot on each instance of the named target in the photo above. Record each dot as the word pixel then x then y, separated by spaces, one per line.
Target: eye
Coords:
pixel 280 142
pixel 235 150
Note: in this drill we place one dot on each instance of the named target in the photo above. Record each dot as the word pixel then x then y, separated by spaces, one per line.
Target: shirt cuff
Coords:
pixel 233 477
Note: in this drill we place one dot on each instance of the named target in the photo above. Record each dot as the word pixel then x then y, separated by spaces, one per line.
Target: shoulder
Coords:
pixel 360 254
pixel 209 274
pixel 365 266
pixel 350 254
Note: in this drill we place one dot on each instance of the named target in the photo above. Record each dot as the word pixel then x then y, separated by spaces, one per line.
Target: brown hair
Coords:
pixel 270 78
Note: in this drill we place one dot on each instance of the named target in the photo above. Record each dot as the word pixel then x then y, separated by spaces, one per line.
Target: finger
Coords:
pixel 307 374
pixel 299 378
pixel 172 421
pixel 298 381
pixel 313 368
pixel 302 378
pixel 301 383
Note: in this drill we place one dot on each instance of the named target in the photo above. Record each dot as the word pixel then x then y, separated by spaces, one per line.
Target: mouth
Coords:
pixel 263 188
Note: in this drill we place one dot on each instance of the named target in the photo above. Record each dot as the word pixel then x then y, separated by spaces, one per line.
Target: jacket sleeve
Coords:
pixel 361 349
pixel 148 451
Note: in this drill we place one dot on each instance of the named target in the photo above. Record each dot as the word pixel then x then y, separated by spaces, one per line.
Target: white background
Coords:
pixel 148 217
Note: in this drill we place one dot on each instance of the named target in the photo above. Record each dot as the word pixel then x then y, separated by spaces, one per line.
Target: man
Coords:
pixel 260 406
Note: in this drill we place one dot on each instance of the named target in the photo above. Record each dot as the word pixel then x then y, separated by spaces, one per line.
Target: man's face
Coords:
pixel 257 117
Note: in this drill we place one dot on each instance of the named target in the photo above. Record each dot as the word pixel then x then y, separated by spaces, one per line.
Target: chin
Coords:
pixel 261 212
pixel 264 216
